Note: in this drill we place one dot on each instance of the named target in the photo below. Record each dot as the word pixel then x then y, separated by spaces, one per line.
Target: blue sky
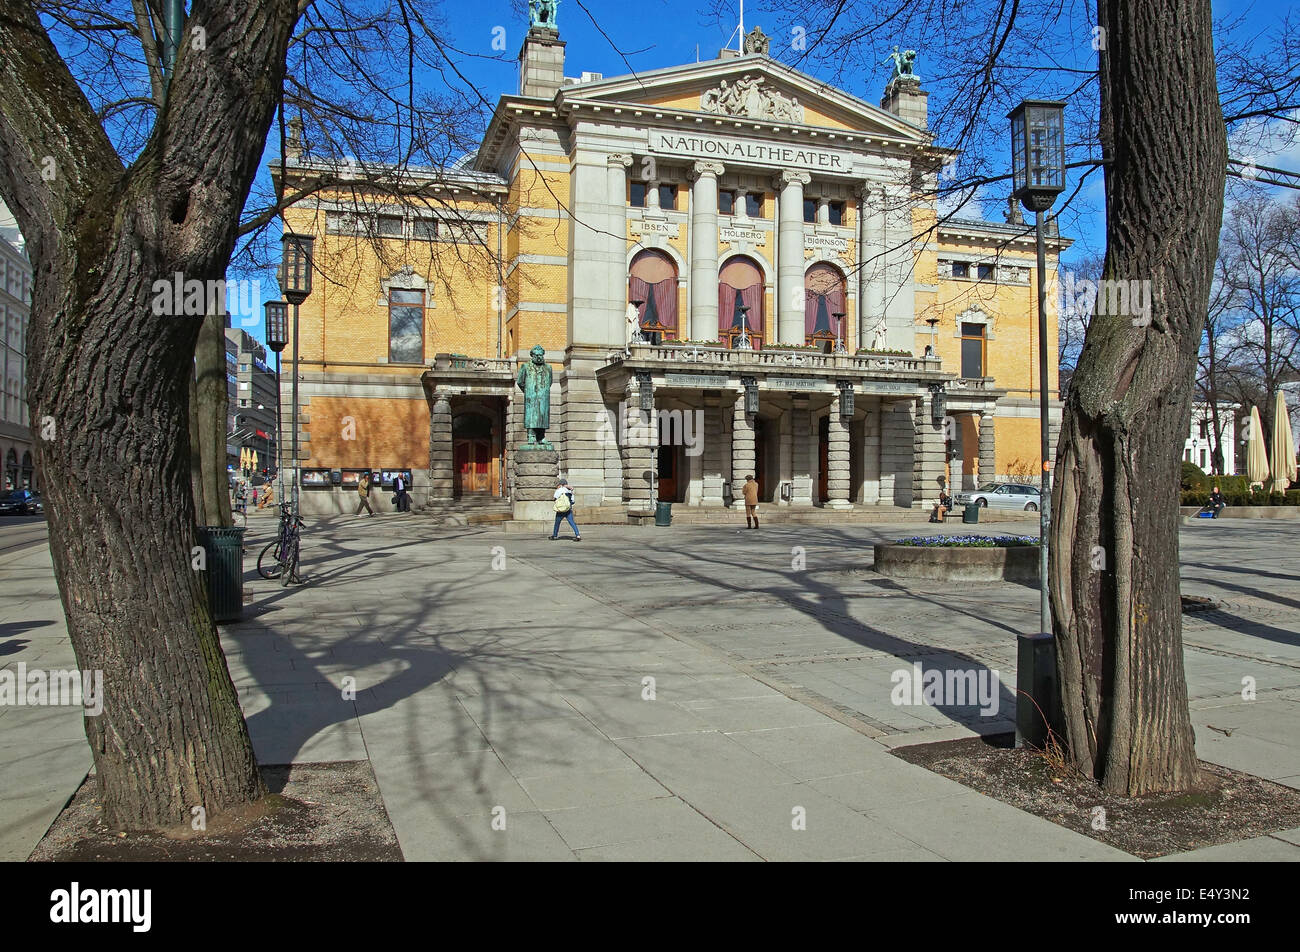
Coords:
pixel 652 34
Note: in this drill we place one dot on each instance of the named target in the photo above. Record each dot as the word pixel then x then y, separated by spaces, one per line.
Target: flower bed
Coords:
pixel 974 558
pixel 968 541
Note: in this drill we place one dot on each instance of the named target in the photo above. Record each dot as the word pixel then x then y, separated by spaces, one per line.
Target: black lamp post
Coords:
pixel 295 282
pixel 1038 176
pixel 277 338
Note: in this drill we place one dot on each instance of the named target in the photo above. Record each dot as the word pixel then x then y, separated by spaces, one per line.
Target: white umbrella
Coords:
pixel 1282 446
pixel 1256 458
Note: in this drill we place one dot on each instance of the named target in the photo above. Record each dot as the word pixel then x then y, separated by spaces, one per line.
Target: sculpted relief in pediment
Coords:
pixel 748 97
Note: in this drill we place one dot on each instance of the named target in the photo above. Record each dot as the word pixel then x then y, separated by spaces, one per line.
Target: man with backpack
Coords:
pixel 564 510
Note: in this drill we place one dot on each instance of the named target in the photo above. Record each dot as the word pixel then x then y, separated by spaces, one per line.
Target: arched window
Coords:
pixel 740 301
pixel 11 469
pixel 652 280
pixel 27 470
pixel 824 297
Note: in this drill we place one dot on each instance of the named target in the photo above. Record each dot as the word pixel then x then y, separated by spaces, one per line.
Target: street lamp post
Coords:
pixel 277 338
pixel 295 282
pixel 1038 177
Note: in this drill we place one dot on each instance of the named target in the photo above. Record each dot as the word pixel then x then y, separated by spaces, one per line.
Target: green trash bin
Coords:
pixel 663 514
pixel 971 513
pixel 224 550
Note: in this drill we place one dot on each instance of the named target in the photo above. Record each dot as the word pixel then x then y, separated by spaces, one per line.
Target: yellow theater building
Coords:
pixel 732 268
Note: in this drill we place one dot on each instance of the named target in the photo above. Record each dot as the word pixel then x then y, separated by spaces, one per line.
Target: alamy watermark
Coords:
pixel 662 427
pixel 1081 297
pixel 950 687
pixel 54 688
pixel 180 297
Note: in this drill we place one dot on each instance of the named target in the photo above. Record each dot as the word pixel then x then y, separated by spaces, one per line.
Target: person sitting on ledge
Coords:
pixel 941 507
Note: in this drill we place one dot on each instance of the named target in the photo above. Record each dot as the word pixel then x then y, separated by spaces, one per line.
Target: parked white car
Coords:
pixel 1001 496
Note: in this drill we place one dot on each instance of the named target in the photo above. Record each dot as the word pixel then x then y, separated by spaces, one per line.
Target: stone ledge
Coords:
pixel 958 563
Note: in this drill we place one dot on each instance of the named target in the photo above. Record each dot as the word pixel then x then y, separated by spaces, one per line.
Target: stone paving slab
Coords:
pixel 517 695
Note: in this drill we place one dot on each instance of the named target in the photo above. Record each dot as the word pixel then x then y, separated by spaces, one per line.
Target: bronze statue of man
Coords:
pixel 535 381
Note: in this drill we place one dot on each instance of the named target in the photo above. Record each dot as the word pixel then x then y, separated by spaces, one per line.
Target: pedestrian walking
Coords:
pixel 564 510
pixel 750 492
pixel 363 493
pixel 403 497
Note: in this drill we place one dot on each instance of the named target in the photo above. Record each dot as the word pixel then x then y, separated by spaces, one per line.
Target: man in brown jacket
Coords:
pixel 363 494
pixel 750 490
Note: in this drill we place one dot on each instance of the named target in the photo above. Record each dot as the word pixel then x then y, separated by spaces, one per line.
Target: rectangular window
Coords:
pixel 405 326
pixel 960 269
pixel 972 350
pixel 638 195
pixel 668 196
pixel 810 210
pixel 754 205
pixel 984 272
pixel 342 223
pixel 726 203
pixel 424 229
pixel 837 213
pixel 390 226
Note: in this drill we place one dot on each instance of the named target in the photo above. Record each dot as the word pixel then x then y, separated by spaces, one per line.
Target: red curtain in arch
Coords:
pixel 824 297
pixel 750 297
pixel 653 280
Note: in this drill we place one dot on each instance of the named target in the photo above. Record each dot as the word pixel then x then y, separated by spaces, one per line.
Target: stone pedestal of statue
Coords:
pixel 537 472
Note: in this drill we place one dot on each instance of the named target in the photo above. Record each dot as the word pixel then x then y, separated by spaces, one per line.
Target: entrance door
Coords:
pixel 473 463
pixel 760 457
pixel 669 471
pixel 824 459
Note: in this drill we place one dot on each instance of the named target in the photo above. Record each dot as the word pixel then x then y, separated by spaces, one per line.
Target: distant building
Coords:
pixel 1199 446
pixel 250 382
pixel 15 310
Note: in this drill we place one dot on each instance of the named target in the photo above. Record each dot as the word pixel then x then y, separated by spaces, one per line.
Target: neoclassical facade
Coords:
pixel 732 268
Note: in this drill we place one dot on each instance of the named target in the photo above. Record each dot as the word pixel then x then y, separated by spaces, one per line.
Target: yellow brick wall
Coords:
pixel 1016 447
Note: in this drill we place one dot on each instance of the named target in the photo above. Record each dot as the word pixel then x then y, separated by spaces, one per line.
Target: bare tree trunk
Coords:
pixel 211 412
pixel 1119 628
pixel 196 459
pixel 112 366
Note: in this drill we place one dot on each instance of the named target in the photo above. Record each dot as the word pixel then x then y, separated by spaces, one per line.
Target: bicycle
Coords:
pixel 279 559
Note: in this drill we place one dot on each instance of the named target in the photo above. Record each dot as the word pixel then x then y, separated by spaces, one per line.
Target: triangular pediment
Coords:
pixel 751 87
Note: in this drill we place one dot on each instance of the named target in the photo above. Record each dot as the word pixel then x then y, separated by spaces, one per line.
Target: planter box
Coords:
pixel 959 563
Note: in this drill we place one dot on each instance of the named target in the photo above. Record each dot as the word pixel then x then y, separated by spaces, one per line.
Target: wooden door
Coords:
pixel 668 473
pixel 473 465
pixel 824 460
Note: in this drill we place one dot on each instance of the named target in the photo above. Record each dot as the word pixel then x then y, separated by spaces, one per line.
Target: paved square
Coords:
pixel 664 693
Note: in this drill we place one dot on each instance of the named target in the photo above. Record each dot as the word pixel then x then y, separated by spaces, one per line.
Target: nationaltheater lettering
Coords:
pixel 768 153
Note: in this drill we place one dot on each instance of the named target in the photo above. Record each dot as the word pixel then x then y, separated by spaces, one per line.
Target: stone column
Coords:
pixel 988 447
pixel 597 276
pixel 837 459
pixel 441 480
pixel 898 303
pixel 803 446
pixel 871 285
pixel 897 448
pixel 713 459
pixel 928 455
pixel 871 455
pixel 703 320
pixel 789 273
pixel 742 450
pixel 639 440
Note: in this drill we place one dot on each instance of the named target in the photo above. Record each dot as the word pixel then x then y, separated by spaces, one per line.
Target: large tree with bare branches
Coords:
pixel 123 169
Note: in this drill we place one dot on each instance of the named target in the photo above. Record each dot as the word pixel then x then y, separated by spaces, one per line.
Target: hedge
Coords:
pixel 1196 497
